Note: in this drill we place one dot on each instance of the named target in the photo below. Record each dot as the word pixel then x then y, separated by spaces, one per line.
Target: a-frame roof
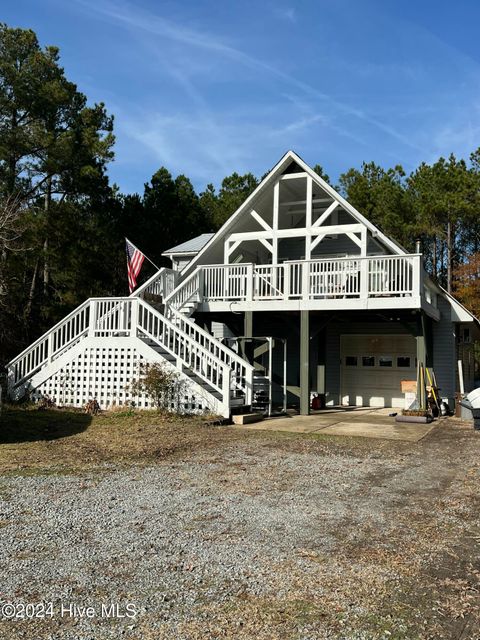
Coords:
pixel 269 181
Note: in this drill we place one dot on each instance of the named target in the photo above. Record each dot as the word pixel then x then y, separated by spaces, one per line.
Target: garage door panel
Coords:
pixel 375 386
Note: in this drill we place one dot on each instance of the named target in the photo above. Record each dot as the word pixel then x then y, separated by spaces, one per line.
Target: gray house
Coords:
pixel 297 292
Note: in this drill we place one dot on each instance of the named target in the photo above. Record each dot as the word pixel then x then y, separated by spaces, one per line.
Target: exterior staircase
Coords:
pixel 97 349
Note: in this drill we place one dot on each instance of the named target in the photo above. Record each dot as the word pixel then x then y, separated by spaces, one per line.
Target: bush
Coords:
pixel 161 384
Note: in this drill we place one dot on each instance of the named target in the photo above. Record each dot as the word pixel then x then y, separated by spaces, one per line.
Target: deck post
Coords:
pixel 92 318
pixel 417 277
pixel 364 278
pixel 249 283
pixel 248 324
pixel 305 280
pixel 134 318
pixel 304 363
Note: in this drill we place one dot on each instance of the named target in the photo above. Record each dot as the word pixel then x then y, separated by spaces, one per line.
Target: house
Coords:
pixel 297 292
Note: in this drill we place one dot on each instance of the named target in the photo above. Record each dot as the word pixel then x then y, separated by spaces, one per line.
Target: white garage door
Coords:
pixel 372 368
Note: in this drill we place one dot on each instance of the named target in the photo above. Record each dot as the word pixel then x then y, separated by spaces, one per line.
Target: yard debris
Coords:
pixel 45 402
pixel 92 407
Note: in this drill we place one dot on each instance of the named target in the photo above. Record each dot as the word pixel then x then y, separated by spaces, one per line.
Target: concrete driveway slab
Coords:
pixel 409 432
pixel 364 423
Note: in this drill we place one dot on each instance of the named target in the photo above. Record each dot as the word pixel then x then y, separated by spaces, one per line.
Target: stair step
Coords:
pixel 247 418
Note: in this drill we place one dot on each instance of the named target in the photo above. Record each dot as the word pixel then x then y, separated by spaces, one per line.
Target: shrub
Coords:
pixel 161 384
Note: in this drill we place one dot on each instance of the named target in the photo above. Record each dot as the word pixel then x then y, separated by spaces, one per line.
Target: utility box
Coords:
pixel 471 403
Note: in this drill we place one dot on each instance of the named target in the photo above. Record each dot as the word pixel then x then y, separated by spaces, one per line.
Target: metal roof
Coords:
pixel 190 246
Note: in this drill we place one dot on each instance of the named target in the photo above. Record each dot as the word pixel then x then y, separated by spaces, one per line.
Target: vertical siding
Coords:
pixel 444 360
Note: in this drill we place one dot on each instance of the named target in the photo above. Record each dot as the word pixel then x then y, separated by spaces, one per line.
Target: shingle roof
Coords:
pixel 190 246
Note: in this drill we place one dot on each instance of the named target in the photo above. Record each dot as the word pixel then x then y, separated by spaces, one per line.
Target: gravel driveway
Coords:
pixel 275 538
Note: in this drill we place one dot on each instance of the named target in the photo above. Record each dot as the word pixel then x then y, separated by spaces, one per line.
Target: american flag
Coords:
pixel 135 260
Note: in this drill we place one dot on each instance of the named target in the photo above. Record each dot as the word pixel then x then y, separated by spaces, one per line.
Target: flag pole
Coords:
pixel 133 245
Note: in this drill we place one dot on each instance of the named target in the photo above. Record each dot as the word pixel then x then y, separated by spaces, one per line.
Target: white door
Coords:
pixel 372 368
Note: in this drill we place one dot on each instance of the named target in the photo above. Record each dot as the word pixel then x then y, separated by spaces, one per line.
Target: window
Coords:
pixel 351 361
pixel 368 361
pixel 385 361
pixel 404 361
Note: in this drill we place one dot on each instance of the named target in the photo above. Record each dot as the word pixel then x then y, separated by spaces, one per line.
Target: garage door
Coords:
pixel 372 368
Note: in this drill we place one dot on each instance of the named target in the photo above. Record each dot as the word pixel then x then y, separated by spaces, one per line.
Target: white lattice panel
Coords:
pixel 104 370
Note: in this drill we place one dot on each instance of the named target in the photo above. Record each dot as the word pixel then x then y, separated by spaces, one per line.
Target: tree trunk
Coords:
pixel 31 293
pixel 449 256
pixel 46 264
pixel 434 258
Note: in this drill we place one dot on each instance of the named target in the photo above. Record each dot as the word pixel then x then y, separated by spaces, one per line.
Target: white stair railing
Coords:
pixel 160 285
pixel 242 372
pixel 192 347
pixel 191 290
pixel 187 291
pixel 188 352
pixel 64 335
pixel 99 317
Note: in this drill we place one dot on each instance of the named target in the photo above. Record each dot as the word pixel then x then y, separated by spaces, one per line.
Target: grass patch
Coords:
pixel 63 442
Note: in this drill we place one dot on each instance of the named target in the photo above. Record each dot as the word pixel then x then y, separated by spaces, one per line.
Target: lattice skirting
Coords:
pixel 105 367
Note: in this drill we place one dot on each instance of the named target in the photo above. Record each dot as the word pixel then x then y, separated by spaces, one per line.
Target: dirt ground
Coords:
pixel 270 535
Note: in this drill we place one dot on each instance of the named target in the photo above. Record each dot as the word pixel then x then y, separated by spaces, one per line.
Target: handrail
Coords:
pixel 243 371
pixel 224 353
pixel 194 347
pixel 353 276
pixel 61 337
pixel 172 298
pixel 161 274
pixel 47 333
pixel 182 346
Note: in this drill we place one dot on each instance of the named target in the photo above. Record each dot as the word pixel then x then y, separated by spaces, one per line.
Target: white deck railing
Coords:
pixel 379 276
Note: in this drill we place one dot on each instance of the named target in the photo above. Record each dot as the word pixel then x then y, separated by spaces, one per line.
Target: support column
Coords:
pixel 421 349
pixel 424 340
pixel 247 348
pixel 248 324
pixel 421 340
pixel 304 363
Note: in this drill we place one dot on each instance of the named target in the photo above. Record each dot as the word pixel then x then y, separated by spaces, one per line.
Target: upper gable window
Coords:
pixel 292 207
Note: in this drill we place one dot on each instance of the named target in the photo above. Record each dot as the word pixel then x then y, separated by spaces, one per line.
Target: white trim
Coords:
pixel 459 313
pixel 296 233
pixel 232 246
pixel 260 220
pixel 294 176
pixel 325 214
pixel 273 176
pixel 268 245
pixel 308 218
pixel 354 238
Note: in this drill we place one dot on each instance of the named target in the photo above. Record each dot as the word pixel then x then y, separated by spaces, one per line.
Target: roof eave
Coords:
pixel 454 302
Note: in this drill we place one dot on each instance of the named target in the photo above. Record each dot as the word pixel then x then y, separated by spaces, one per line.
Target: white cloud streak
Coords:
pixel 135 18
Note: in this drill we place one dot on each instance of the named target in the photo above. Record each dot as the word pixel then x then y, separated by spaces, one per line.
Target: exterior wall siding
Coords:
pixel 444 357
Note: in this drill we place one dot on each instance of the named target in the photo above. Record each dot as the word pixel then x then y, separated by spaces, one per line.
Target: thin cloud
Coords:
pixel 159 26
pixel 286 13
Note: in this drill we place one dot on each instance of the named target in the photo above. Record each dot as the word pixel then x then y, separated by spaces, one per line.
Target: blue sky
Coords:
pixel 206 88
